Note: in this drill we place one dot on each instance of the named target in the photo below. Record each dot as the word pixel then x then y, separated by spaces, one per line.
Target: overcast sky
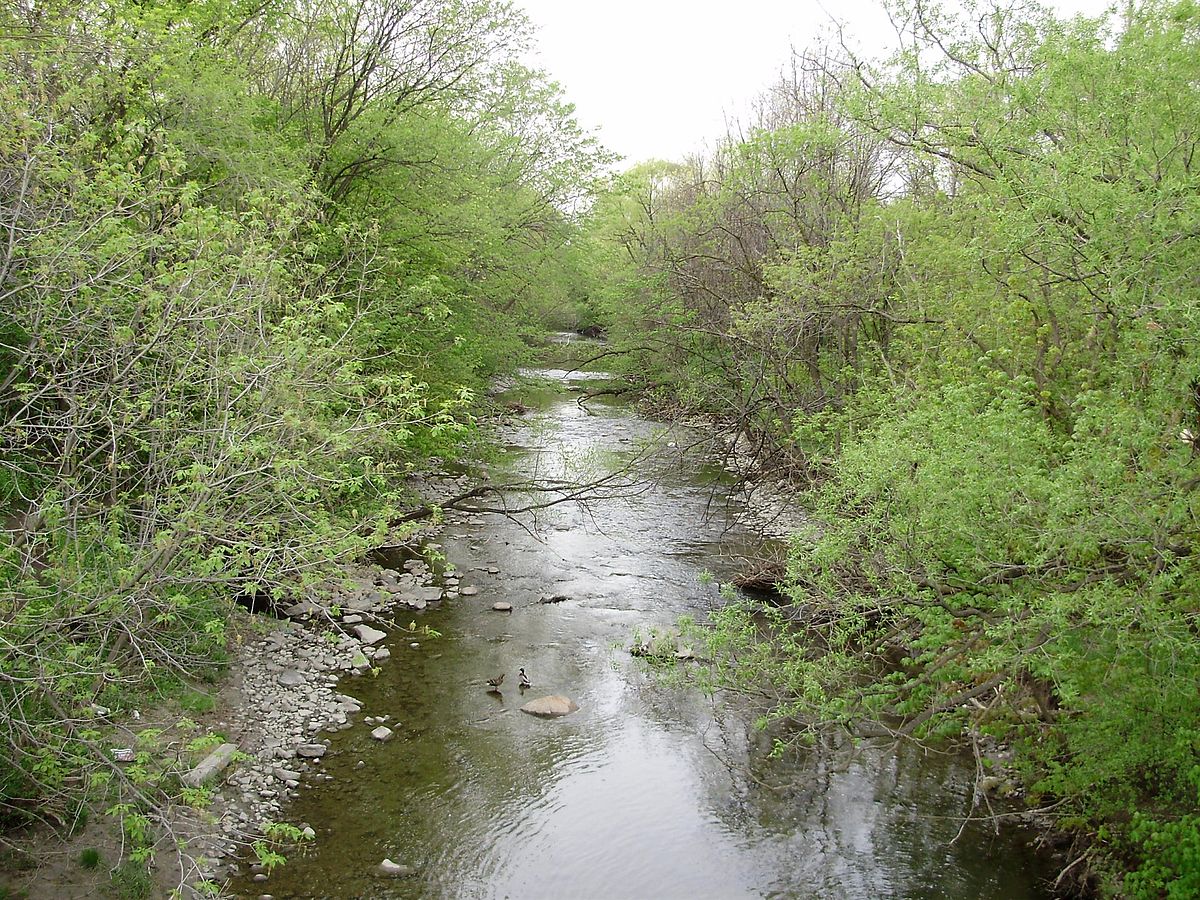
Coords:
pixel 657 78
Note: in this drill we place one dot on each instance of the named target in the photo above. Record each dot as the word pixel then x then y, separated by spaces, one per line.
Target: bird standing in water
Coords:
pixel 494 683
pixel 523 680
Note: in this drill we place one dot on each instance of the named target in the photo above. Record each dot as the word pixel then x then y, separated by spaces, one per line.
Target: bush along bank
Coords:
pixel 954 291
pixel 244 294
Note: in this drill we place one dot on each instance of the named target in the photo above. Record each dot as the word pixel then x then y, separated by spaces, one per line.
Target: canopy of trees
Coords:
pixel 256 258
pixel 955 294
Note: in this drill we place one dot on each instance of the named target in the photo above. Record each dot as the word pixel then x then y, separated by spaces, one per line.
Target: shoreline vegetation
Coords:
pixel 260 262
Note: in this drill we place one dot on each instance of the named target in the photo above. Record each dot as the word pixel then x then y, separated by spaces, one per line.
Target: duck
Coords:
pixel 523 680
pixel 494 683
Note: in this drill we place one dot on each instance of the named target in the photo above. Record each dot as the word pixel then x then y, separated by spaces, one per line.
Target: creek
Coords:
pixel 648 791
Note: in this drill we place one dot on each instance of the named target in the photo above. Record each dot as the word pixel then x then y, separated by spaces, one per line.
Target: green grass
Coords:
pixel 130 881
pixel 197 701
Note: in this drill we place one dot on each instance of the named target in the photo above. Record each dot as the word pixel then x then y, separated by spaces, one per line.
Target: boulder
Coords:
pixel 299 610
pixel 550 707
pixel 360 603
pixel 382 733
pixel 291 678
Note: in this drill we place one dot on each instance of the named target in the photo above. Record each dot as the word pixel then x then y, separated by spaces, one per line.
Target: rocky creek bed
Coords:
pixel 286 700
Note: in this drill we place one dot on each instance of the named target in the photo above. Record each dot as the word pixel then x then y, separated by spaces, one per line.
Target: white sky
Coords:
pixel 658 78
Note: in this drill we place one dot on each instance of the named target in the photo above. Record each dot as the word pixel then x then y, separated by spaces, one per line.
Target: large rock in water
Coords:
pixel 389 869
pixel 550 707
pixel 369 635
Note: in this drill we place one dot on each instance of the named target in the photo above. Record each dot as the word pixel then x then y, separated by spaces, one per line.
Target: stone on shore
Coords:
pixel 311 751
pixel 501 606
pixel 299 610
pixel 469 591
pixel 550 707
pixel 211 765
pixel 291 678
pixel 369 635
pixel 382 733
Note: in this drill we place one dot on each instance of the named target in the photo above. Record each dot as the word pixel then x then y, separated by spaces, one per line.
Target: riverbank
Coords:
pixel 472 798
pixel 639 558
pixel 274 707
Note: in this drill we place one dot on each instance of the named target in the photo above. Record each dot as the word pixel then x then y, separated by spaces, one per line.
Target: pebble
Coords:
pixel 501 606
pixel 382 733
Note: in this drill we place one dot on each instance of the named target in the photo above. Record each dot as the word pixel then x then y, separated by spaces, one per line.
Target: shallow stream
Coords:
pixel 647 791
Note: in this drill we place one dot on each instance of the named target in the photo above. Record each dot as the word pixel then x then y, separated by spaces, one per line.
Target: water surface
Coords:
pixel 647 791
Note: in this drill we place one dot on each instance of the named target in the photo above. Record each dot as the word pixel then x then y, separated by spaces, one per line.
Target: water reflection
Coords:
pixel 646 792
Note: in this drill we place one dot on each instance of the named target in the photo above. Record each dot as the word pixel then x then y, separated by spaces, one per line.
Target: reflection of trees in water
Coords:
pixel 856 818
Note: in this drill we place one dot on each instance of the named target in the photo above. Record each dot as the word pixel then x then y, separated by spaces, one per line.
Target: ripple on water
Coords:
pixel 646 791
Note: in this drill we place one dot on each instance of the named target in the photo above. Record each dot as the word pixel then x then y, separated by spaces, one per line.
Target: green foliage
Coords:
pixel 246 292
pixel 89 858
pixel 275 835
pixel 131 881
pixel 956 291
pixel 1171 858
